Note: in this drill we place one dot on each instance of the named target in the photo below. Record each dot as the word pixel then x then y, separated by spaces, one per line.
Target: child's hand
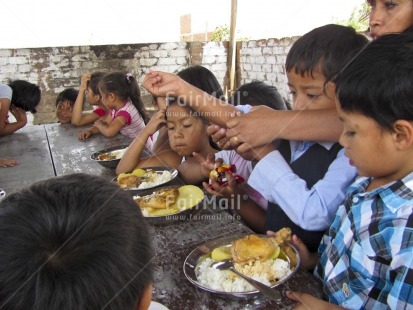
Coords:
pixel 19 114
pixel 308 260
pixel 157 121
pixel 163 84
pixel 99 124
pixel 85 135
pixel 228 191
pixel 308 302
pixel 84 80
pixel 207 164
pixel 8 162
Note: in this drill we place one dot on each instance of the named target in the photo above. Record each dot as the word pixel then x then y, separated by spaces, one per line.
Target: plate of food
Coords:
pixel 270 260
pixel 146 178
pixel 109 157
pixel 169 203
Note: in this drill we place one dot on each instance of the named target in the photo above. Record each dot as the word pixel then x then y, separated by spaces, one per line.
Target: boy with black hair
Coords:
pixel 366 258
pixel 64 105
pixel 65 245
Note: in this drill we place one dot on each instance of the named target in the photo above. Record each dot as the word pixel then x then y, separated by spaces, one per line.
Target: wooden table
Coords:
pixel 52 150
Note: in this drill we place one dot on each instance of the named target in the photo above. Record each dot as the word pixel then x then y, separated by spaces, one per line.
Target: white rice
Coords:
pixel 157 180
pixel 267 272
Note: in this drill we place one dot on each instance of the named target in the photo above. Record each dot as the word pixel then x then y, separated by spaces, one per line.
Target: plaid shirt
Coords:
pixel 366 259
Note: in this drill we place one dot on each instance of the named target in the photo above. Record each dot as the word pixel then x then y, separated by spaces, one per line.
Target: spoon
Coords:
pixel 265 289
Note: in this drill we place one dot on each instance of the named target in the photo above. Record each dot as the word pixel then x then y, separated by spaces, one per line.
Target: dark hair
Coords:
pixel 378 83
pixel 259 93
pixel 327 48
pixel 65 245
pixel 206 81
pixel 125 87
pixel 203 79
pixel 25 95
pixel 93 83
pixel 69 94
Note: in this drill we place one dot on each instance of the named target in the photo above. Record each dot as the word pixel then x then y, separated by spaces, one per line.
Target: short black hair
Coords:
pixel 73 242
pixel 378 83
pixel 69 94
pixel 203 79
pixel 326 49
pixel 259 93
pixel 25 95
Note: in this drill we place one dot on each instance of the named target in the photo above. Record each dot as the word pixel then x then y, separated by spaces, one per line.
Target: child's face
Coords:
pixel 369 148
pixel 187 134
pixel 91 97
pixel 308 91
pixel 64 111
pixel 390 16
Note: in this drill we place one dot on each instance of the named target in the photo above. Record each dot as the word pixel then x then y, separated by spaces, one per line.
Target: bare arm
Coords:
pixel 263 125
pixel 167 84
pixel 19 114
pixel 132 157
pixel 108 127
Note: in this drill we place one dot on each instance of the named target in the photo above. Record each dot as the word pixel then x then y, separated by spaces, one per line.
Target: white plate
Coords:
pixel 157 306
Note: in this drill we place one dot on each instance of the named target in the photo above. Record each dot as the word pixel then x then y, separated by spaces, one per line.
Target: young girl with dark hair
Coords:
pixel 127 114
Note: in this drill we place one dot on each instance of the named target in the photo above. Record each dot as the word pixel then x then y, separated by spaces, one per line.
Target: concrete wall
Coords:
pixel 57 68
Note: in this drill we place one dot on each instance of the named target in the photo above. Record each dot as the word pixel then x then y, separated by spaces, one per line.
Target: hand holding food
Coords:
pixel 218 174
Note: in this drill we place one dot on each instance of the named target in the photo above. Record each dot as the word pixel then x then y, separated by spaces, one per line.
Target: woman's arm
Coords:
pixel 171 85
pixel 263 125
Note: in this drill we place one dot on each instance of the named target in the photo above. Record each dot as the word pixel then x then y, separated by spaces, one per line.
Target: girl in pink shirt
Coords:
pixel 127 114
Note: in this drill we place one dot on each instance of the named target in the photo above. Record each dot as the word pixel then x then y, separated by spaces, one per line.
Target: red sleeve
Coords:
pixel 126 115
pixel 100 112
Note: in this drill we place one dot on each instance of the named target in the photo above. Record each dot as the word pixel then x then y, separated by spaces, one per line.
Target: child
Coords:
pixel 89 87
pixel 201 78
pixel 121 95
pixel 305 181
pixel 66 248
pixel 197 76
pixel 18 97
pixel 64 105
pixel 366 259
pixel 186 134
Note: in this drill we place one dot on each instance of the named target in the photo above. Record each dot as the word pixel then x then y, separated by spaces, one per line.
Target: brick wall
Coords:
pixel 56 68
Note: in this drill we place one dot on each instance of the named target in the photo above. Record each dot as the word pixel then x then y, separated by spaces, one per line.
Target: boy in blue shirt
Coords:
pixel 366 259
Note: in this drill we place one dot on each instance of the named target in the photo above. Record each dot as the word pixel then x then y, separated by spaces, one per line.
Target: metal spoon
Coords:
pixel 265 289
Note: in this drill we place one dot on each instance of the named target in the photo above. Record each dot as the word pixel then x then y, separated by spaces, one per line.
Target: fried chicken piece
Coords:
pixel 283 235
pixel 129 181
pixel 252 247
pixel 162 199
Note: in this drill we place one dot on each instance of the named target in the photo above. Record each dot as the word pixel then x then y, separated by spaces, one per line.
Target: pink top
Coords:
pixel 244 169
pixel 99 111
pixel 134 122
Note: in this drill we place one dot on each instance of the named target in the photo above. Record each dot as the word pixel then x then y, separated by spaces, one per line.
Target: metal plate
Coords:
pixel 204 251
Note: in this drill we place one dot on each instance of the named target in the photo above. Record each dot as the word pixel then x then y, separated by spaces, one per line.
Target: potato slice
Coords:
pixel 139 172
pixel 189 196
